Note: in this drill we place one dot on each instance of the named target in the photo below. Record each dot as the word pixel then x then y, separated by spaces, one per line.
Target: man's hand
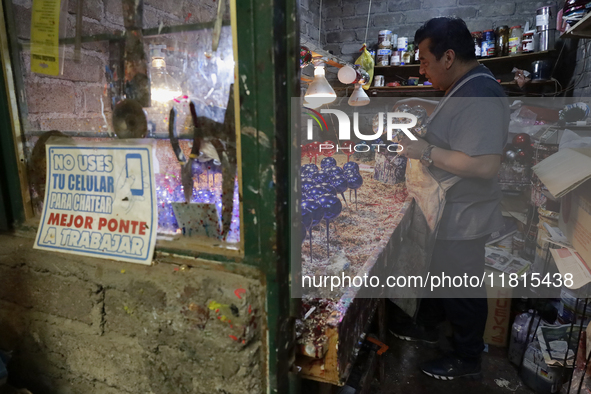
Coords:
pixel 413 149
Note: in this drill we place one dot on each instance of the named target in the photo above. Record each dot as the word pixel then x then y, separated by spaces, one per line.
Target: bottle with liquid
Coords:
pixel 411 51
pixel 406 56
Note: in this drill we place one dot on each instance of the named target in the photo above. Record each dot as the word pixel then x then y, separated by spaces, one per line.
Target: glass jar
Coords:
pixel 502 41
pixel 385 39
pixel 515 40
pixel 477 37
pixel 528 42
pixel 488 43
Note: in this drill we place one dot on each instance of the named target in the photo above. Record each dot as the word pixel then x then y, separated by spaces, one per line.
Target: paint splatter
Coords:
pixel 237 292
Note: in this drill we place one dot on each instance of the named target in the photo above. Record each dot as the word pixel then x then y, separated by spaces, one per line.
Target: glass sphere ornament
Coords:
pixel 351 165
pixel 333 171
pixel 321 177
pixel 316 209
pixel 328 162
pixel 522 140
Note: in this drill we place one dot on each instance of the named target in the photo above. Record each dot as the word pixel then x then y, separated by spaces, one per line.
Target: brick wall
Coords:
pixel 72 101
pixel 309 23
pixel 581 80
pixel 344 21
pixel 83 325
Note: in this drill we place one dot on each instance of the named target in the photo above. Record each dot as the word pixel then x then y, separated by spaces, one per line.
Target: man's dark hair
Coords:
pixel 447 33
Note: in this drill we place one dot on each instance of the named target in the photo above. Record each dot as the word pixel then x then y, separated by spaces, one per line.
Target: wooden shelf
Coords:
pixel 524 57
pixel 511 88
pixel 582 29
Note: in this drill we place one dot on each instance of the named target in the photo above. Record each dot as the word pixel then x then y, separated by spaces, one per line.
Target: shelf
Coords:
pixel 488 61
pixel 511 88
pixel 582 29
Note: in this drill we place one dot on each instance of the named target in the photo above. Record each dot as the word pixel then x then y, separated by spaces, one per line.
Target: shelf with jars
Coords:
pixel 501 67
pixel 486 61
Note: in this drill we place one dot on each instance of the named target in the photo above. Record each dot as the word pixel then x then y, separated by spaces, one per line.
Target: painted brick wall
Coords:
pixel 83 325
pixel 344 21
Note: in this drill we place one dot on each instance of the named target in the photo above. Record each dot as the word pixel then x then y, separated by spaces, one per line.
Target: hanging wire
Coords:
pixel 367 25
pixel 320 25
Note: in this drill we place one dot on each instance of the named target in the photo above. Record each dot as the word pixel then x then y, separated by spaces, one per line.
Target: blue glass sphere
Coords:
pixel 321 177
pixel 333 171
pixel 339 182
pixel 315 208
pixel 315 192
pixel 354 181
pixel 350 165
pixel 328 162
pixel 307 184
pixel 351 172
pixel 332 206
pixel 329 188
pixel 311 167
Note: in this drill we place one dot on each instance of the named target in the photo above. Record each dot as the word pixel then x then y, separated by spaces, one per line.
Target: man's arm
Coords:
pixel 458 163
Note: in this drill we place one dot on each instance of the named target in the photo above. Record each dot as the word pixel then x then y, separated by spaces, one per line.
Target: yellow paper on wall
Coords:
pixel 45 22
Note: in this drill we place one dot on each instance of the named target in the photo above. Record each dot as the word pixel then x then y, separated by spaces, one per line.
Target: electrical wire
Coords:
pixel 367 25
pixel 320 25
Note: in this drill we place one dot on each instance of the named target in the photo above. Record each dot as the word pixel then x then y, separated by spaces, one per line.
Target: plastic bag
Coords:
pixel 366 62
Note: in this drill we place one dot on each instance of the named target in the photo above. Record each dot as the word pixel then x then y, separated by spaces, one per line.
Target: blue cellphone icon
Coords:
pixel 133 167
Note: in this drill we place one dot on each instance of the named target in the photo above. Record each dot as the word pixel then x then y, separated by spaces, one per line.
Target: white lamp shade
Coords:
pixel 347 75
pixel 358 97
pixel 319 92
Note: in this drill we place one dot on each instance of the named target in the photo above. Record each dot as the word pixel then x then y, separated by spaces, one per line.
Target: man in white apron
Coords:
pixel 452 177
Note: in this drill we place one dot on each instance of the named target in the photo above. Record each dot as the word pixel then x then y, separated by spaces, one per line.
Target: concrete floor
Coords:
pixel 404 376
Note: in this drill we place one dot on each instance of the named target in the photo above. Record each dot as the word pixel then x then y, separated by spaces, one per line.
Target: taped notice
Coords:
pixel 45 21
pixel 100 200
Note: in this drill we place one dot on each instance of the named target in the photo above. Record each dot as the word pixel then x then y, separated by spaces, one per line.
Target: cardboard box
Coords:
pixel 567 174
pixel 498 330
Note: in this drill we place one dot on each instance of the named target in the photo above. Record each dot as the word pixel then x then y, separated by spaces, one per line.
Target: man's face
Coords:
pixel 434 70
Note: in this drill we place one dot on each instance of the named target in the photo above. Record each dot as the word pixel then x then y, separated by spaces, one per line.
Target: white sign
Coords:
pixel 100 200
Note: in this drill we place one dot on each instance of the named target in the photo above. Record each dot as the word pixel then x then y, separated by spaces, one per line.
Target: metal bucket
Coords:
pixel 546 39
pixel 546 18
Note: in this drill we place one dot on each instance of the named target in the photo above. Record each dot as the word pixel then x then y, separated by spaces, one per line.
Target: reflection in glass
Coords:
pixel 164 88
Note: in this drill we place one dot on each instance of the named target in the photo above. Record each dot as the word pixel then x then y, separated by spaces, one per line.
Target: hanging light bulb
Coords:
pixel 358 97
pixel 319 92
pixel 164 88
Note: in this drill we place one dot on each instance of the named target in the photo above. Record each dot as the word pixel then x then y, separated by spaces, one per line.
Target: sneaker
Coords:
pixel 452 367
pixel 415 332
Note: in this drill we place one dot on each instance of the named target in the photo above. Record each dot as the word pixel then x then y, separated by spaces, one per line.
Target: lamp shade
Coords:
pixel 358 97
pixel 319 92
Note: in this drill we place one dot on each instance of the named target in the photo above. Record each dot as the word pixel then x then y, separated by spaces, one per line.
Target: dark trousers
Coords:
pixel 465 308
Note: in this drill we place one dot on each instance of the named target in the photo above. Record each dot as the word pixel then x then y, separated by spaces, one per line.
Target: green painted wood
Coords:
pixel 267 79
